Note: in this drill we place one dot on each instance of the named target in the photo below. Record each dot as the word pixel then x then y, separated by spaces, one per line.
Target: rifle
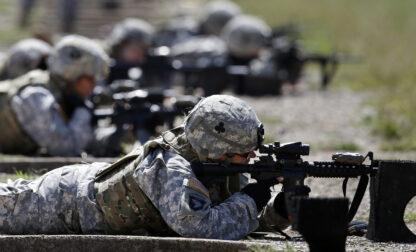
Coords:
pixel 290 59
pixel 142 111
pixel 285 160
pixel 155 71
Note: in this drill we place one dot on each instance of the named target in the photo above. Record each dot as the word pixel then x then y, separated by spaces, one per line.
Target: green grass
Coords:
pixel 343 146
pixel 383 32
pixel 410 217
pixel 19 174
pixel 270 120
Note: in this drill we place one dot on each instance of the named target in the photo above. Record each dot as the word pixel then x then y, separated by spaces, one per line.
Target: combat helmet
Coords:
pixel 131 30
pixel 222 124
pixel 26 55
pixel 75 56
pixel 245 35
pixel 216 14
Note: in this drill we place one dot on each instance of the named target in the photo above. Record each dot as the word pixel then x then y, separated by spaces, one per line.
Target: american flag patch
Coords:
pixel 197 185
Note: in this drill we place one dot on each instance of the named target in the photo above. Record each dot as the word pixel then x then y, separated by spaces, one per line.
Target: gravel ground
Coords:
pixel 324 119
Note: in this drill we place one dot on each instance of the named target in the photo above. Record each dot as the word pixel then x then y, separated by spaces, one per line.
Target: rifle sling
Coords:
pixel 358 196
pixel 344 186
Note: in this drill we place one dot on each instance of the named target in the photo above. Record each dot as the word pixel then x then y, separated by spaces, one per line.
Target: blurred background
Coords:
pixel 382 31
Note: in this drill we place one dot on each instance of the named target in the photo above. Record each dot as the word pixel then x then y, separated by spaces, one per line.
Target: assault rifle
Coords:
pixel 286 161
pixel 154 71
pixel 142 111
pixel 290 60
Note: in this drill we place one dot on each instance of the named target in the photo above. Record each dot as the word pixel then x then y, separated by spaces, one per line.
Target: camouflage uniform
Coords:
pixel 40 114
pixel 33 114
pixel 151 190
pixel 59 202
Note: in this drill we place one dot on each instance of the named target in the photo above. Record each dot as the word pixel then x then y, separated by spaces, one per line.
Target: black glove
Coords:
pixel 259 192
pixel 279 205
pixel 73 101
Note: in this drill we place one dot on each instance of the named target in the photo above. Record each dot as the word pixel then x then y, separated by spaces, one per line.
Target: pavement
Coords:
pixel 75 243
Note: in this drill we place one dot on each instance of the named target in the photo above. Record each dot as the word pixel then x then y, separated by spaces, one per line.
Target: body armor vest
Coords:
pixel 126 208
pixel 13 139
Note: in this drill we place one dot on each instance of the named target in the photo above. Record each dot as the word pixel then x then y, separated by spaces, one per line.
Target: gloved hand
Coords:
pixel 73 101
pixel 259 192
pixel 279 205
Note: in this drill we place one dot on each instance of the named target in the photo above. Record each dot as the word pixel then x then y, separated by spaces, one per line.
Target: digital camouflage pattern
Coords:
pixel 39 113
pixel 74 56
pixel 165 178
pixel 179 197
pixel 159 170
pixel 25 55
pixel 31 117
pixel 269 219
pixel 216 14
pixel 222 124
pixel 59 202
pixel 62 201
pixel 245 35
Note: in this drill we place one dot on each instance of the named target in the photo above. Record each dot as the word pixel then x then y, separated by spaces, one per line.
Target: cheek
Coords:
pixel 239 160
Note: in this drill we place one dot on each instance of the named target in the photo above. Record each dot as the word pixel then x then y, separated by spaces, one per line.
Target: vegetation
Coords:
pixel 19 174
pixel 343 146
pixel 382 31
pixel 410 211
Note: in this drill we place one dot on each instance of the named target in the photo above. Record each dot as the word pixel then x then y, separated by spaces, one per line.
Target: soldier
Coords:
pixel 216 14
pixel 246 39
pixel 245 36
pixel 129 40
pixel 128 44
pixel 153 189
pixel 46 111
pixel 205 60
pixel 24 56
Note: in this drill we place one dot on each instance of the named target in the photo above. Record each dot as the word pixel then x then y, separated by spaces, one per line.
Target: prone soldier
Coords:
pixel 128 44
pixel 153 189
pixel 215 63
pixel 24 56
pixel 47 111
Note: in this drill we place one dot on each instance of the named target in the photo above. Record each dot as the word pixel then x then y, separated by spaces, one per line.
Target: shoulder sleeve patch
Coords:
pixel 197 185
pixel 195 199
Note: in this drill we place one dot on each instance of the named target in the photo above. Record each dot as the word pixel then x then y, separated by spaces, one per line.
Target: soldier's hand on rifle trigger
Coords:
pixel 259 192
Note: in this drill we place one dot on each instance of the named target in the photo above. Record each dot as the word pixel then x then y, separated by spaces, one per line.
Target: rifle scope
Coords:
pixel 293 148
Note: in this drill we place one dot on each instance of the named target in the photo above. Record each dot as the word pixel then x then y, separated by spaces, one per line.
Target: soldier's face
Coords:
pixel 240 158
pixel 84 86
pixel 134 53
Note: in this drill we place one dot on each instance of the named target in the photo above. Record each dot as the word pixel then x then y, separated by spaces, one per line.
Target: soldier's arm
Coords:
pixel 185 205
pixel 39 114
pixel 269 218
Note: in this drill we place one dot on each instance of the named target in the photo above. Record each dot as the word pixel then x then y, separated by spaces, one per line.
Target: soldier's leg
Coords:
pixel 59 202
